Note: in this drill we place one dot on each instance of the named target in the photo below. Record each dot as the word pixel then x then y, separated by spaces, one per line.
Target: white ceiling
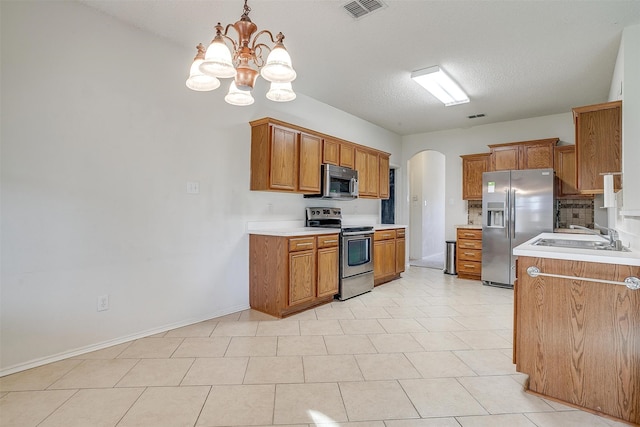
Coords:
pixel 516 59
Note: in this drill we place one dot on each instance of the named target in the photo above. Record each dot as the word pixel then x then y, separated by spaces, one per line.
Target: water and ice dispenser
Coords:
pixel 495 214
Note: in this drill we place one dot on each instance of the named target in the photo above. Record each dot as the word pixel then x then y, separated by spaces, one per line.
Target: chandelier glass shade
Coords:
pixel 244 62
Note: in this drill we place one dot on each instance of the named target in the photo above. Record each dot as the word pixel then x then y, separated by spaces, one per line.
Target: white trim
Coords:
pixel 105 344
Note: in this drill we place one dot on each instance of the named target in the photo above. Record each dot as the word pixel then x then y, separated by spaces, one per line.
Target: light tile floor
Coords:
pixel 425 350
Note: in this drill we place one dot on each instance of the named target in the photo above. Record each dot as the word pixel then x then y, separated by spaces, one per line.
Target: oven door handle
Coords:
pixel 358 233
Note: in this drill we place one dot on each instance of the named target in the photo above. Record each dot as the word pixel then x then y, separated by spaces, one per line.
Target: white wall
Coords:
pixel 455 142
pixel 625 85
pixel 99 137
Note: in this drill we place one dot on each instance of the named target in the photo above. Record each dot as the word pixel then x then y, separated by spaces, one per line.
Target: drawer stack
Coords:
pixel 469 253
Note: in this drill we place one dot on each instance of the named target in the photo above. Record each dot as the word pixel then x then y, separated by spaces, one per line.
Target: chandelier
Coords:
pixel 243 62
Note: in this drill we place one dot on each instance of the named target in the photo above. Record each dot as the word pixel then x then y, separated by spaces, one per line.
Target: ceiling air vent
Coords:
pixel 476 116
pixel 359 8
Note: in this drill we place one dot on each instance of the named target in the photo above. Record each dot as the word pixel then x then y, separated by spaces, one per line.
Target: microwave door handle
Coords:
pixel 353 187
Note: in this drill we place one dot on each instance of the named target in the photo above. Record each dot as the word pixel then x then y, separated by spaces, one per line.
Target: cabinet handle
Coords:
pixel 469 253
pixel 303 244
pixel 469 265
pixel 330 241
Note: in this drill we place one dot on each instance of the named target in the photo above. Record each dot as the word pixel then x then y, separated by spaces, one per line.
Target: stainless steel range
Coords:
pixel 356 251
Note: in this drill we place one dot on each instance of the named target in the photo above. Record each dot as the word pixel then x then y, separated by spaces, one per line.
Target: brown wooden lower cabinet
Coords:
pixel 579 341
pixel 469 253
pixel 291 274
pixel 388 255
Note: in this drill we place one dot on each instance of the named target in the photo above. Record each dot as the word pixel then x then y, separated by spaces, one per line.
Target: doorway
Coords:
pixel 427 209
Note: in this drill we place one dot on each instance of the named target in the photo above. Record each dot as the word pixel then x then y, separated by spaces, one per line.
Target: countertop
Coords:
pixel 313 231
pixel 589 255
pixel 470 226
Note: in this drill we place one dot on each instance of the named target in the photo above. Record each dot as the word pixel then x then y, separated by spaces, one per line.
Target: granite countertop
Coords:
pixel 590 255
pixel 470 226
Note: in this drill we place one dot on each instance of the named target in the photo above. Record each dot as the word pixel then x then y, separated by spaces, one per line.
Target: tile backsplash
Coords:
pixel 576 212
pixel 474 212
pixel 570 211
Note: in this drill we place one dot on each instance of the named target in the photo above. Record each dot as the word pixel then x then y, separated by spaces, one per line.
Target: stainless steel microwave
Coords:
pixel 338 183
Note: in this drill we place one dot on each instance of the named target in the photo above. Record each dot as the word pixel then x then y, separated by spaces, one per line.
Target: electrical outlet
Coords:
pixel 103 302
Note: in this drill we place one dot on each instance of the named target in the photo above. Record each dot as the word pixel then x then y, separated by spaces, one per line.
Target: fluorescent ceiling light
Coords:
pixel 440 85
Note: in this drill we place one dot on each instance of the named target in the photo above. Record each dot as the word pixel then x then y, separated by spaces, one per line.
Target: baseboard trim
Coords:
pixel 109 343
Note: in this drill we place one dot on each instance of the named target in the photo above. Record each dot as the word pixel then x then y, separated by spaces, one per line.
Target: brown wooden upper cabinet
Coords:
pixel 284 159
pixel 383 162
pixel 535 154
pixel 338 153
pixel 473 166
pixel 598 145
pixel 368 168
pixel 565 167
pixel 287 158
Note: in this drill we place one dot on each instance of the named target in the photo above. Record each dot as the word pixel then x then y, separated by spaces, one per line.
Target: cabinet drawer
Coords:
pixel 327 241
pixel 469 244
pixel 301 244
pixel 469 267
pixel 400 232
pixel 469 233
pixel 470 254
pixel 384 235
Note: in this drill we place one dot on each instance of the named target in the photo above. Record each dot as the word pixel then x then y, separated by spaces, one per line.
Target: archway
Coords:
pixel 427 209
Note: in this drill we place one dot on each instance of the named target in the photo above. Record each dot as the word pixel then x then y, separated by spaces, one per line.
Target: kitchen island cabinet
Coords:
pixel 578 339
pixel 289 274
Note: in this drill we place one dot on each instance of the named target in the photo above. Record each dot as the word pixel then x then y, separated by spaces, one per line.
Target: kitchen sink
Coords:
pixel 578 244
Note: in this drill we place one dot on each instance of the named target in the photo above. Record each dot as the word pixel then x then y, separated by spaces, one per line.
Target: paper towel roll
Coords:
pixel 609 196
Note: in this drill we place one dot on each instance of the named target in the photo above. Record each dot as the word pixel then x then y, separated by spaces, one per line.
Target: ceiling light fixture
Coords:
pixel 244 62
pixel 440 85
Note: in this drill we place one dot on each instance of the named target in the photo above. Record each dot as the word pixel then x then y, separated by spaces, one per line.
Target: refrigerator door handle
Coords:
pixel 507 214
pixel 513 213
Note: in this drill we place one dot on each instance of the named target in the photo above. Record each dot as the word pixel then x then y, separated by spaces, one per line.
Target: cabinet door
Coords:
pixel 505 158
pixel 310 161
pixel 373 175
pixel 284 159
pixel 327 271
pixel 347 157
pixel 565 166
pixel 598 145
pixel 536 156
pixel 384 176
pixel 473 166
pixel 361 165
pixel 302 283
pixel 331 152
pixel 400 255
pixel 389 261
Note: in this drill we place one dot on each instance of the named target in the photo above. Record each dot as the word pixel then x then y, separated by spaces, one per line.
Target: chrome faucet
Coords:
pixel 612 234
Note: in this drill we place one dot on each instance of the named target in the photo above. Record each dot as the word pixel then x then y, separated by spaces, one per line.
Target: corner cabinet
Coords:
pixel 565 167
pixel 473 166
pixel 291 274
pixel 287 158
pixel 388 254
pixel 598 145
pixel 535 154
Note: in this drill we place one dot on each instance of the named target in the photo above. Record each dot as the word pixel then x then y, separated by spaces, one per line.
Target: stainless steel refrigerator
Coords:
pixel 516 206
